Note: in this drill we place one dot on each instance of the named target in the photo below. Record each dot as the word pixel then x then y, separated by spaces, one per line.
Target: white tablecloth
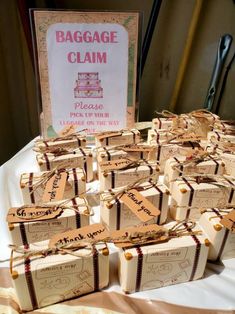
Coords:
pixel 215 291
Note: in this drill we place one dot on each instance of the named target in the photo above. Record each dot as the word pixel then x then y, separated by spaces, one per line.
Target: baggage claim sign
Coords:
pixel 87 65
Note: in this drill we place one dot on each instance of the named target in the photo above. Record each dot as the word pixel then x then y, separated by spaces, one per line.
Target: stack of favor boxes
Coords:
pixel 180 179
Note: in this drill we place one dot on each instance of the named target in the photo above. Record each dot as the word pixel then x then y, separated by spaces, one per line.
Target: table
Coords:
pixel 215 291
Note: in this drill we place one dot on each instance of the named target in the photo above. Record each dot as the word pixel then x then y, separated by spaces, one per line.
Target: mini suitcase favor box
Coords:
pixel 62 158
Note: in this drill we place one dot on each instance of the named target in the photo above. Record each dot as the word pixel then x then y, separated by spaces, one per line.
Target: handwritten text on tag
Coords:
pixel 139 205
pixel 27 214
pixel 115 164
pixel 92 232
pixel 55 186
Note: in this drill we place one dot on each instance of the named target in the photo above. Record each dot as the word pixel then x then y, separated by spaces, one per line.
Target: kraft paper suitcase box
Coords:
pixel 224 125
pixel 72 214
pixel 215 136
pixel 41 281
pixel 176 167
pixel 176 149
pixel 32 191
pixel 159 136
pixel 199 122
pixel 116 178
pixel 189 196
pixel 162 264
pixel 73 142
pixel 229 161
pixel 134 151
pixel 115 214
pixel 114 138
pixel 162 123
pixel 80 157
pixel 222 239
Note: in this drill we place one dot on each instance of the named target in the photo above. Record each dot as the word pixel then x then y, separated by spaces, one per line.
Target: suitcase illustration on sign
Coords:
pixel 88 85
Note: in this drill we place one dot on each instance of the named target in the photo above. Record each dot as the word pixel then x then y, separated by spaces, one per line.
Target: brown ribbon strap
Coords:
pixel 159 148
pixel 78 216
pixel 112 179
pixel 139 268
pixel 96 268
pixel 108 153
pixel 197 253
pixel 31 190
pixel 75 180
pixel 223 243
pixel 160 201
pixel 30 284
pixel 180 165
pixel 48 166
pixel 190 201
pixel 118 218
pixel 23 234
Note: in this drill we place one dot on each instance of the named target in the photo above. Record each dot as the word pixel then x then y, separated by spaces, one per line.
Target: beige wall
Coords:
pixel 18 111
pixel 217 18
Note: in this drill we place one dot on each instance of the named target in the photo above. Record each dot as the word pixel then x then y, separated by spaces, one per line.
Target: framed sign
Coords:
pixel 87 69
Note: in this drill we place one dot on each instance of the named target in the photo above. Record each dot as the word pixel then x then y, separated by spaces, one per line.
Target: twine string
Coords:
pixel 134 238
pixel 45 177
pixel 195 159
pixel 221 180
pixel 222 211
pixel 111 195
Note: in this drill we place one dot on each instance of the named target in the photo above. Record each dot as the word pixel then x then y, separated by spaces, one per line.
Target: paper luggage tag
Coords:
pixel 138 148
pixel 188 137
pixel 91 232
pixel 108 134
pixel 150 233
pixel 67 130
pixel 55 186
pixel 228 221
pixel 36 213
pixel 139 205
pixel 115 164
